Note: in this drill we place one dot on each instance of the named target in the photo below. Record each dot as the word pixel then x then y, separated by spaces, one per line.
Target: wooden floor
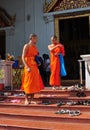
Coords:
pixel 14 115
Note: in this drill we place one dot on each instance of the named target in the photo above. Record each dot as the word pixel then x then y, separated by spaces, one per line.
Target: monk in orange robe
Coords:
pixel 31 81
pixel 55 49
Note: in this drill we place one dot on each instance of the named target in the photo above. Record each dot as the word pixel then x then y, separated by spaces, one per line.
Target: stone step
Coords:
pixel 63 98
pixel 17 127
pixel 16 124
pixel 50 107
pixel 44 115
pixel 64 92
pixel 17 116
pixel 47 92
pixel 43 98
pixel 50 97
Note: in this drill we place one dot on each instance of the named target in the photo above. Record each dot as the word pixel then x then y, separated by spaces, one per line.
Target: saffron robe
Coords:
pixel 55 65
pixel 31 80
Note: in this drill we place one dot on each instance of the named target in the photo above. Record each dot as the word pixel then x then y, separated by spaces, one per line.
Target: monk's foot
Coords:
pixel 26 102
pixel 32 102
pixel 58 88
pixel 53 88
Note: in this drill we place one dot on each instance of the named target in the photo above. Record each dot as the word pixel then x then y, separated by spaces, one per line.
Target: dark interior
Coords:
pixel 2 44
pixel 75 35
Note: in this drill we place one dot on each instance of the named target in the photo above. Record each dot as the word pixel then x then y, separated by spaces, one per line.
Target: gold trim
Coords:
pixel 56 28
pixel 64 5
pixel 71 4
pixel 6 19
pixel 56 22
pixel 49 5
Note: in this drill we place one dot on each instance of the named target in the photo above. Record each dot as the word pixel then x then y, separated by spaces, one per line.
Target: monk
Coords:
pixel 55 49
pixel 31 81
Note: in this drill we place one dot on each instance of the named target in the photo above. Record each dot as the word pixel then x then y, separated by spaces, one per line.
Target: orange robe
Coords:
pixel 31 81
pixel 55 66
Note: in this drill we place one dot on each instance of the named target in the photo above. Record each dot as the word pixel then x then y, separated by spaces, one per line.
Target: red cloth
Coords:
pixel 55 65
pixel 31 81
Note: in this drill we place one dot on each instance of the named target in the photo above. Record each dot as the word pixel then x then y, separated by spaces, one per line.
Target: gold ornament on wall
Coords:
pixel 57 5
pixel 6 19
pixel 48 5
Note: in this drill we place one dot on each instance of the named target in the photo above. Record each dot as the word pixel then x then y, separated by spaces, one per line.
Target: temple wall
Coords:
pixel 29 19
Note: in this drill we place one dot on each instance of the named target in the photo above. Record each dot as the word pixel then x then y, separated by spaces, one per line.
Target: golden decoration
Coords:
pixel 64 5
pixel 71 4
pixel 49 5
pixel 6 19
pixel 10 57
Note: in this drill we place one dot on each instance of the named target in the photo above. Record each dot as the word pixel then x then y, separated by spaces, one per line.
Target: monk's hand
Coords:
pixel 28 68
pixel 59 45
pixel 56 54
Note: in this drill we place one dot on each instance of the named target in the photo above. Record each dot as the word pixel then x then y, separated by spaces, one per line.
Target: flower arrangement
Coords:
pixel 1 73
pixel 10 57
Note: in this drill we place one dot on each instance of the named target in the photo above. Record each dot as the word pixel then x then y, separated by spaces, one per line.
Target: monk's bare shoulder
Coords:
pixel 26 46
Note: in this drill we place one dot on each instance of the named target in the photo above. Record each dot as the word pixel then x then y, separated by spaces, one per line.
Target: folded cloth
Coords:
pixel 37 59
pixel 62 66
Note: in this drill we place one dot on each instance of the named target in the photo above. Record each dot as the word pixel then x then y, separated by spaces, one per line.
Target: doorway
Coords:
pixel 74 34
pixel 2 44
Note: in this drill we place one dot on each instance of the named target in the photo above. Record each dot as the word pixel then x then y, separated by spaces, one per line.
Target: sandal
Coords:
pixel 60 103
pixel 70 103
pixel 74 113
pixel 81 94
pixel 62 111
pixel 88 103
pixel 46 102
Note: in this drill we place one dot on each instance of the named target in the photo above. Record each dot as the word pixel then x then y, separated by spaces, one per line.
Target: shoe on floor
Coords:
pixel 74 113
pixel 62 111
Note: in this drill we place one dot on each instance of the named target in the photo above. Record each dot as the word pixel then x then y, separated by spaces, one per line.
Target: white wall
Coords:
pixel 37 24
pixel 23 9
pixel 15 38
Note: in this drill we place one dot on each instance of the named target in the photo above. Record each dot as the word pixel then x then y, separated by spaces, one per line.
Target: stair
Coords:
pixel 14 115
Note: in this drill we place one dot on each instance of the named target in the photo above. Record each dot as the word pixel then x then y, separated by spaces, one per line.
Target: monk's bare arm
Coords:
pixel 60 50
pixel 23 56
pixel 50 47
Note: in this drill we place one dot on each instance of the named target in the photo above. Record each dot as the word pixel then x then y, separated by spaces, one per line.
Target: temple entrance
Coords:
pixel 74 34
pixel 2 44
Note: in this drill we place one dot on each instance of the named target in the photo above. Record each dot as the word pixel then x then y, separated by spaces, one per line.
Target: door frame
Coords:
pixel 59 17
